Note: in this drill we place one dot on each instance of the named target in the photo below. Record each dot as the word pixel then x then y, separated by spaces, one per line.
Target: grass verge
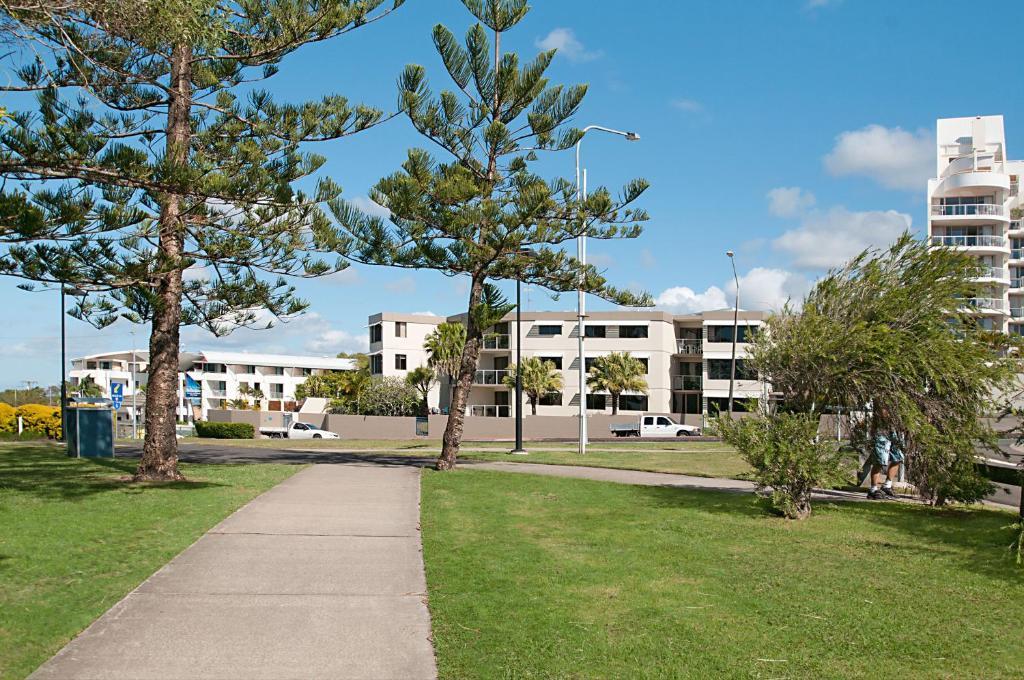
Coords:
pixel 535 577
pixel 76 538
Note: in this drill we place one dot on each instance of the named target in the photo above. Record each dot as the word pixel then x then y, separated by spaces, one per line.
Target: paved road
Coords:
pixel 320 577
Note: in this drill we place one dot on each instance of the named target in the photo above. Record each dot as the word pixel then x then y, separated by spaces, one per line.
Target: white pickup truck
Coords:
pixel 298 430
pixel 654 426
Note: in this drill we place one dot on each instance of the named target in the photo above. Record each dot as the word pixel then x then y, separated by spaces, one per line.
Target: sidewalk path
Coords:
pixel 320 577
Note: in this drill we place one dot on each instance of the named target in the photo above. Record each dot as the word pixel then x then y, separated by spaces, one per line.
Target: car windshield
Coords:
pixel 311 427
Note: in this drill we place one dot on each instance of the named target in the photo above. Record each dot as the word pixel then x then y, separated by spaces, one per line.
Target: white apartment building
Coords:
pixel 687 358
pixel 974 205
pixel 207 379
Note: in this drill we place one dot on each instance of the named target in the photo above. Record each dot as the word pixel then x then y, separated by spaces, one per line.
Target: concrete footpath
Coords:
pixel 320 577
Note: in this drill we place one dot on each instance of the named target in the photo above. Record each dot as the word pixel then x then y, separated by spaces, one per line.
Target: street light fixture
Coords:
pixel 581 255
pixel 735 324
pixel 519 450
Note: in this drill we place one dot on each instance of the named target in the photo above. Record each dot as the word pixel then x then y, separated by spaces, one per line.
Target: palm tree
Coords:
pixel 616 373
pixel 423 379
pixel 444 349
pixel 88 387
pixel 539 378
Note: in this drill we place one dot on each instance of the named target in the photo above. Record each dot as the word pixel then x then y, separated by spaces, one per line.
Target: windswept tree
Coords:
pixel 616 373
pixel 151 153
pixel 478 208
pixel 538 379
pixel 892 334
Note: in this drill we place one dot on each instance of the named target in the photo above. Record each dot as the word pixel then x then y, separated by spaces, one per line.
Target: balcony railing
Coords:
pixel 969 210
pixel 489 411
pixel 496 342
pixel 986 303
pixel 969 241
pixel 1017 312
pixel 686 382
pixel 1017 282
pixel 1017 254
pixel 216 393
pixel 988 272
pixel 1015 225
pixel 490 376
pixel 689 346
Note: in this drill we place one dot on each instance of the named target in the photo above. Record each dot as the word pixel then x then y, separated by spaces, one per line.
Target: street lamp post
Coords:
pixel 735 324
pixel 581 255
pixel 135 390
pixel 63 357
pixel 519 450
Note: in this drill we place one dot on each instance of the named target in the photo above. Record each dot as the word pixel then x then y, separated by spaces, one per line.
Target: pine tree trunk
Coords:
pixel 533 406
pixel 160 450
pixel 460 393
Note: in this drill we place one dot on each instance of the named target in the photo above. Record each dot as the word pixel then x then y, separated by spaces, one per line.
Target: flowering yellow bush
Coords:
pixel 8 423
pixel 40 418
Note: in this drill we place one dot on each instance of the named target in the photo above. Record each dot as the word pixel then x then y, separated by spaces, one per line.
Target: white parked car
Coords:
pixel 299 431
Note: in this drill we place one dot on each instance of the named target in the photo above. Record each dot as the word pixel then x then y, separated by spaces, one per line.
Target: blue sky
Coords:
pixel 794 132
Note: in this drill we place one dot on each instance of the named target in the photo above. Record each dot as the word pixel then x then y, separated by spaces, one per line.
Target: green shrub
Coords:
pixel 224 430
pixel 788 457
pixel 26 436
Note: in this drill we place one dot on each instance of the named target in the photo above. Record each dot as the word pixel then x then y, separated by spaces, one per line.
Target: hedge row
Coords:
pixel 224 430
pixel 39 418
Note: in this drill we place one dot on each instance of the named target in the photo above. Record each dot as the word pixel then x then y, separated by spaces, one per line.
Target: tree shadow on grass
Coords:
pixel 214 454
pixel 972 539
pixel 47 472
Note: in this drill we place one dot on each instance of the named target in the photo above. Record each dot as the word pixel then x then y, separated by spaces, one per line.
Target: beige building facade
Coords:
pixel 687 358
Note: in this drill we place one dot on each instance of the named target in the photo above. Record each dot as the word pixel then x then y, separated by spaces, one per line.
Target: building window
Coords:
pixel 588 363
pixel 105 365
pixel 377 364
pixel 646 362
pixel 548 331
pixel 251 370
pixel 276 390
pixel 633 332
pixel 633 402
pixel 594 331
pixel 550 399
pixel 273 370
pixel 596 402
pixel 718 369
pixel 724 333
pixel 376 333
pixel 400 329
pixel 557 361
pixel 399 362
pixel 305 371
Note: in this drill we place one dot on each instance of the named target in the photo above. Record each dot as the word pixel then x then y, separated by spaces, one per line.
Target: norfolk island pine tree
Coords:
pixel 475 213
pixel 163 159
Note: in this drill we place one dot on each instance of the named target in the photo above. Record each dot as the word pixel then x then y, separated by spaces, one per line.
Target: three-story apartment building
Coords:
pixel 973 206
pixel 208 379
pixel 687 358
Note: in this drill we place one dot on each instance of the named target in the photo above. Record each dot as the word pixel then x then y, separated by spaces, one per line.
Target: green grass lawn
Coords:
pixel 702 459
pixel 74 538
pixel 540 577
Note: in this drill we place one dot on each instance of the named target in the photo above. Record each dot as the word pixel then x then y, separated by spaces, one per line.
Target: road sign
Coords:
pixel 117 394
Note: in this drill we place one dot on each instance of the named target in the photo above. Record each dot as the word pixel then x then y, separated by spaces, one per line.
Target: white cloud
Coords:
pixel 568 46
pixel 688 105
pixel 405 284
pixel 197 272
pixel 308 333
pixel 600 260
pixel 768 289
pixel 647 259
pixel 789 201
pixel 684 300
pixel 829 238
pixel 816 4
pixel 366 205
pixel 893 157
pixel 428 313
pixel 346 277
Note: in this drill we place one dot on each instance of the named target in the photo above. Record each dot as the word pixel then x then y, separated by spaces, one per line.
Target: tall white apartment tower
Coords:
pixel 974 206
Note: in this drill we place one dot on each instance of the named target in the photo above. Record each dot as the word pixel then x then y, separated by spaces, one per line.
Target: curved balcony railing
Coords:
pixel 987 272
pixel 969 210
pixel 1017 254
pixel 489 411
pixel 996 304
pixel 497 342
pixel 686 382
pixel 969 241
pixel 1017 282
pixel 1016 225
pixel 689 346
pixel 490 376
pixel 1017 312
